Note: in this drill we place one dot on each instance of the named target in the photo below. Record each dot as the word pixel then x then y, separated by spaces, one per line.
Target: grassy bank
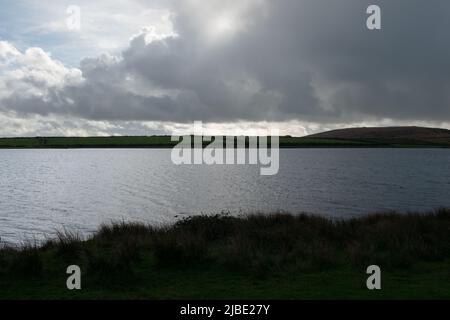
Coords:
pixel 165 142
pixel 272 256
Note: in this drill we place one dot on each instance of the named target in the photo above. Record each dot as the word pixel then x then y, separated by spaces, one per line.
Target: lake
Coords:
pixel 42 191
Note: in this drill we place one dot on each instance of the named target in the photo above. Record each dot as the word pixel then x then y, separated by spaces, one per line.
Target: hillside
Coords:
pixel 390 135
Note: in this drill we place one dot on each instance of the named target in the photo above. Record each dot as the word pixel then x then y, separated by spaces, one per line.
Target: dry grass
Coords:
pixel 259 244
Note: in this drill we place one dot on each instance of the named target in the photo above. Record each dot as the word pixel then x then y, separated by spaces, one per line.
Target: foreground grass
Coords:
pixel 276 256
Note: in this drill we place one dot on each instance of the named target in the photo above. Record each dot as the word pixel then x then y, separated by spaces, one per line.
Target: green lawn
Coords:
pixel 424 281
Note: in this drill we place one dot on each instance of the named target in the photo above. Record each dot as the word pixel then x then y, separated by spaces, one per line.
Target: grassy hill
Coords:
pixel 389 135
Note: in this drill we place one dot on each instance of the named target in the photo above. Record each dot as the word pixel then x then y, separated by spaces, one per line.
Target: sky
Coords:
pixel 143 67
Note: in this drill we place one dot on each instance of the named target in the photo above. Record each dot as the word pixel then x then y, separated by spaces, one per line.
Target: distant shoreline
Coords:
pixel 378 137
pixel 164 142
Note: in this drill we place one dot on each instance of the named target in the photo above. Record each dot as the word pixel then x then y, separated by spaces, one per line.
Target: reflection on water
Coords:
pixel 46 190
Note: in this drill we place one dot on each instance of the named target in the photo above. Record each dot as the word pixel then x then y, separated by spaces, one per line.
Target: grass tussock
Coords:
pixel 257 244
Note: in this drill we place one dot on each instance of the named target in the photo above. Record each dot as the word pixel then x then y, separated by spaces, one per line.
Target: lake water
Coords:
pixel 46 190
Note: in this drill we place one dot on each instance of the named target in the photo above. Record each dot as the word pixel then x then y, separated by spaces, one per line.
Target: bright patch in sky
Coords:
pixel 223 25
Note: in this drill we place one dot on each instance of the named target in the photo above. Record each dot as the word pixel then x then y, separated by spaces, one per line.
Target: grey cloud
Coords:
pixel 312 60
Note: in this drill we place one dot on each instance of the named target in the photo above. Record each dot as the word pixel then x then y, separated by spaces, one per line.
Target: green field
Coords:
pixel 87 142
pixel 277 256
pixel 165 142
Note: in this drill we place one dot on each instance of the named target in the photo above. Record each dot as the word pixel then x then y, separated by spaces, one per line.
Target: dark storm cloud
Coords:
pixel 312 60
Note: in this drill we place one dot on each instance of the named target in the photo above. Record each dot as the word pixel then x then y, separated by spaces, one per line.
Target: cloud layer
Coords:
pixel 309 61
